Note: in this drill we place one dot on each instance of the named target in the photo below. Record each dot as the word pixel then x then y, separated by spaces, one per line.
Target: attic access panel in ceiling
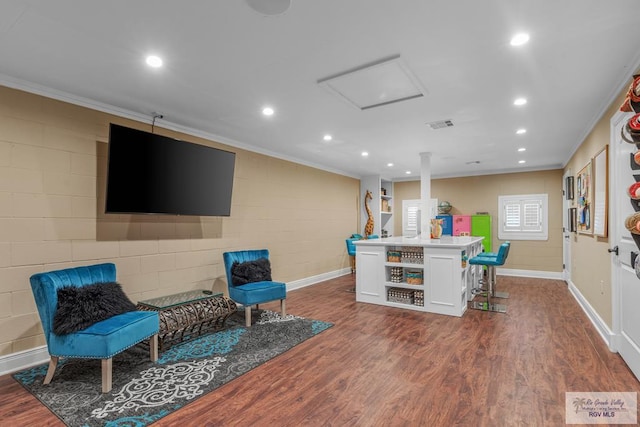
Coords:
pixel 373 85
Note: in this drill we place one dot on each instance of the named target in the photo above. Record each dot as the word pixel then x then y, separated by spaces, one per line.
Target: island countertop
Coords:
pixel 443 242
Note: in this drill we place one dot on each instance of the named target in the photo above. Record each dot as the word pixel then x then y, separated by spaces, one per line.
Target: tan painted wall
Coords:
pixel 590 261
pixel 52 177
pixel 480 194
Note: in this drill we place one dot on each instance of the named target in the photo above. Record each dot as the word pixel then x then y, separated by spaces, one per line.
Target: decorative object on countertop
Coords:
pixel 444 207
pixel 436 228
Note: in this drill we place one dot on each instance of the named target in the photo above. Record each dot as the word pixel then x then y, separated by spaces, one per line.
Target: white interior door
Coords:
pixel 566 233
pixel 625 283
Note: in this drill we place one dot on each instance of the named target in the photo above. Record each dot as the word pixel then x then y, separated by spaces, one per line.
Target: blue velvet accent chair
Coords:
pixel 101 340
pixel 253 293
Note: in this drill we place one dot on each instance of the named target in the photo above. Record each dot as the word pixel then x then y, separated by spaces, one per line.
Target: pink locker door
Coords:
pixel 462 225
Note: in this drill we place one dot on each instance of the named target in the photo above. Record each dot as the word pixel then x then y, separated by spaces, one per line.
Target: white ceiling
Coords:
pixel 224 62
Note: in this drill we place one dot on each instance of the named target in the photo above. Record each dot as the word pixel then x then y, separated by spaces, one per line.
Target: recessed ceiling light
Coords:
pixel 365 154
pixel 408 172
pixel 520 101
pixel 269 8
pixel 521 131
pixel 154 61
pixel 267 111
pixel 389 165
pixel 327 137
pixel 522 149
pixel 519 39
pixel 521 161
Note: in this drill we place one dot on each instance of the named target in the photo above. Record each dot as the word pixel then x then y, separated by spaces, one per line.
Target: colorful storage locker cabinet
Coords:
pixel 462 225
pixel 481 227
pixel 447 224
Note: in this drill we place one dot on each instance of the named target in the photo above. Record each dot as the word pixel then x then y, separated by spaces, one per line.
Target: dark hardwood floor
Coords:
pixel 381 366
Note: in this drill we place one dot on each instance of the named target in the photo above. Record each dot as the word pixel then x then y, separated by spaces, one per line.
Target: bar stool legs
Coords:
pixel 488 305
pixel 496 294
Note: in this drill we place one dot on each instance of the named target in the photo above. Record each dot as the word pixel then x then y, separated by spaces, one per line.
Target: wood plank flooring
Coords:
pixel 381 366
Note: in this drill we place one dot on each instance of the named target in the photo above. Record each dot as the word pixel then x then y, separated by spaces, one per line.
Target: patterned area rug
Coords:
pixel 144 392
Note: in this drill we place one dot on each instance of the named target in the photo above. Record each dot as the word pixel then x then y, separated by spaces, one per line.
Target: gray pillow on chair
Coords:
pixel 80 307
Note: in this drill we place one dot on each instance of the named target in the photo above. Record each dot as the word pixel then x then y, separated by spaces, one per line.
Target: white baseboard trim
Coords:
pixel 308 281
pixel 607 335
pixel 23 359
pixel 530 273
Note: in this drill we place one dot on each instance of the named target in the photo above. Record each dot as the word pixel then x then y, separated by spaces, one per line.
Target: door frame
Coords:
pixel 566 241
pixel 614 233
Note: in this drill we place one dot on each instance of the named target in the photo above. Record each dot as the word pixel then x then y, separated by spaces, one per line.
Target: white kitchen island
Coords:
pixel 418 274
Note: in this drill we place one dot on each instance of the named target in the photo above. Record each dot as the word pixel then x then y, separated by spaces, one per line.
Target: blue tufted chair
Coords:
pixel 253 293
pixel 101 340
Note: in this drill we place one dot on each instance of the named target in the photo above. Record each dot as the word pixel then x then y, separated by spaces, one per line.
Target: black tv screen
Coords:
pixel 154 174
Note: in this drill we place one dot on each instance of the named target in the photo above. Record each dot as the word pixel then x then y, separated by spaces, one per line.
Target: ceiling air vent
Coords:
pixel 440 124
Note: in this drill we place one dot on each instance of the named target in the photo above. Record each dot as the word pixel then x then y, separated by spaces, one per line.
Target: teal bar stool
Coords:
pixel 497 294
pixel 351 251
pixel 490 263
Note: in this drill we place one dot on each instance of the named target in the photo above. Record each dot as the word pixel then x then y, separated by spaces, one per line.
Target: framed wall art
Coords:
pixel 569 188
pixel 572 220
pixel 584 194
pixel 600 194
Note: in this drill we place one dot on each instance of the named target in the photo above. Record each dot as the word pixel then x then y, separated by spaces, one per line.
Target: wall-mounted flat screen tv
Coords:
pixel 154 174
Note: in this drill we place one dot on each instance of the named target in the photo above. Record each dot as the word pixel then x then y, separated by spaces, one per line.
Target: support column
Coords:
pixel 425 195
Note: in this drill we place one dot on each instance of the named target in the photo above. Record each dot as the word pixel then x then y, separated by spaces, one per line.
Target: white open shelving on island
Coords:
pixel 425 275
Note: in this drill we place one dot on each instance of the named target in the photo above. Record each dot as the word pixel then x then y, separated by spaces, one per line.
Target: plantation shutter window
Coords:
pixel 410 217
pixel 523 217
pixel 512 216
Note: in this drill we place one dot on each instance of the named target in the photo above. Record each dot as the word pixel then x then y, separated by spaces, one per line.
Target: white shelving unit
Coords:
pixel 382 219
pixel 425 275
